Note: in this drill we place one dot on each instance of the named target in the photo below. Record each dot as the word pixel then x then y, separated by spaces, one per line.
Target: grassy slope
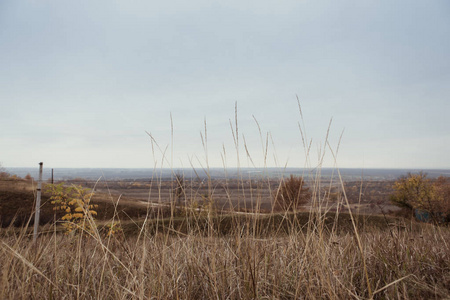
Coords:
pixel 17 204
pixel 230 257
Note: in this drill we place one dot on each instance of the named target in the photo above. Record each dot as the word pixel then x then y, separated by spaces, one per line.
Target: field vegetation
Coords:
pixel 288 238
pixel 199 252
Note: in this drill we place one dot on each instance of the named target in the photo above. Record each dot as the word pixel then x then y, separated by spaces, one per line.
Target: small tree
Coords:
pixel 74 202
pixel 412 191
pixel 3 173
pixel 417 192
pixel 291 194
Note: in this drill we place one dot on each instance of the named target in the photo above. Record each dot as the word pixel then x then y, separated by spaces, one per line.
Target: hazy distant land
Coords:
pixel 347 174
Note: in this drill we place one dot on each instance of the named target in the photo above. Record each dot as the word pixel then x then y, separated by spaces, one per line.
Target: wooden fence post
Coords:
pixel 38 203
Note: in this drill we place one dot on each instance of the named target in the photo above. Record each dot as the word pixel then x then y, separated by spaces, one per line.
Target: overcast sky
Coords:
pixel 82 81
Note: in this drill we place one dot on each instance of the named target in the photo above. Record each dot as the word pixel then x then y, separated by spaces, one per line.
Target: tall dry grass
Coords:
pixel 306 259
pixel 406 265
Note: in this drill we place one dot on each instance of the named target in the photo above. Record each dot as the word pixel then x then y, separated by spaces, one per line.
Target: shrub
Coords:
pixel 291 194
pixel 417 193
pixel 114 229
pixel 74 201
pixel 3 173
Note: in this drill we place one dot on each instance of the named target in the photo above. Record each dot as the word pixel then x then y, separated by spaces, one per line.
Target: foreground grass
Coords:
pixel 314 262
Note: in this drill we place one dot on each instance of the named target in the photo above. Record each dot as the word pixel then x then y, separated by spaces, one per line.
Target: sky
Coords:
pixel 135 84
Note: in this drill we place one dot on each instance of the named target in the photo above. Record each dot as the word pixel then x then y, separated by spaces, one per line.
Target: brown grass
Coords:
pixel 206 255
pixel 402 263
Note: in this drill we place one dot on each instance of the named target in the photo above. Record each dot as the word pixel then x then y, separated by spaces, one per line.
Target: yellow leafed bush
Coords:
pixel 73 199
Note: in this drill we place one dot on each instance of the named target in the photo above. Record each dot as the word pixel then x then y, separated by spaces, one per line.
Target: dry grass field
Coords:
pixel 164 251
